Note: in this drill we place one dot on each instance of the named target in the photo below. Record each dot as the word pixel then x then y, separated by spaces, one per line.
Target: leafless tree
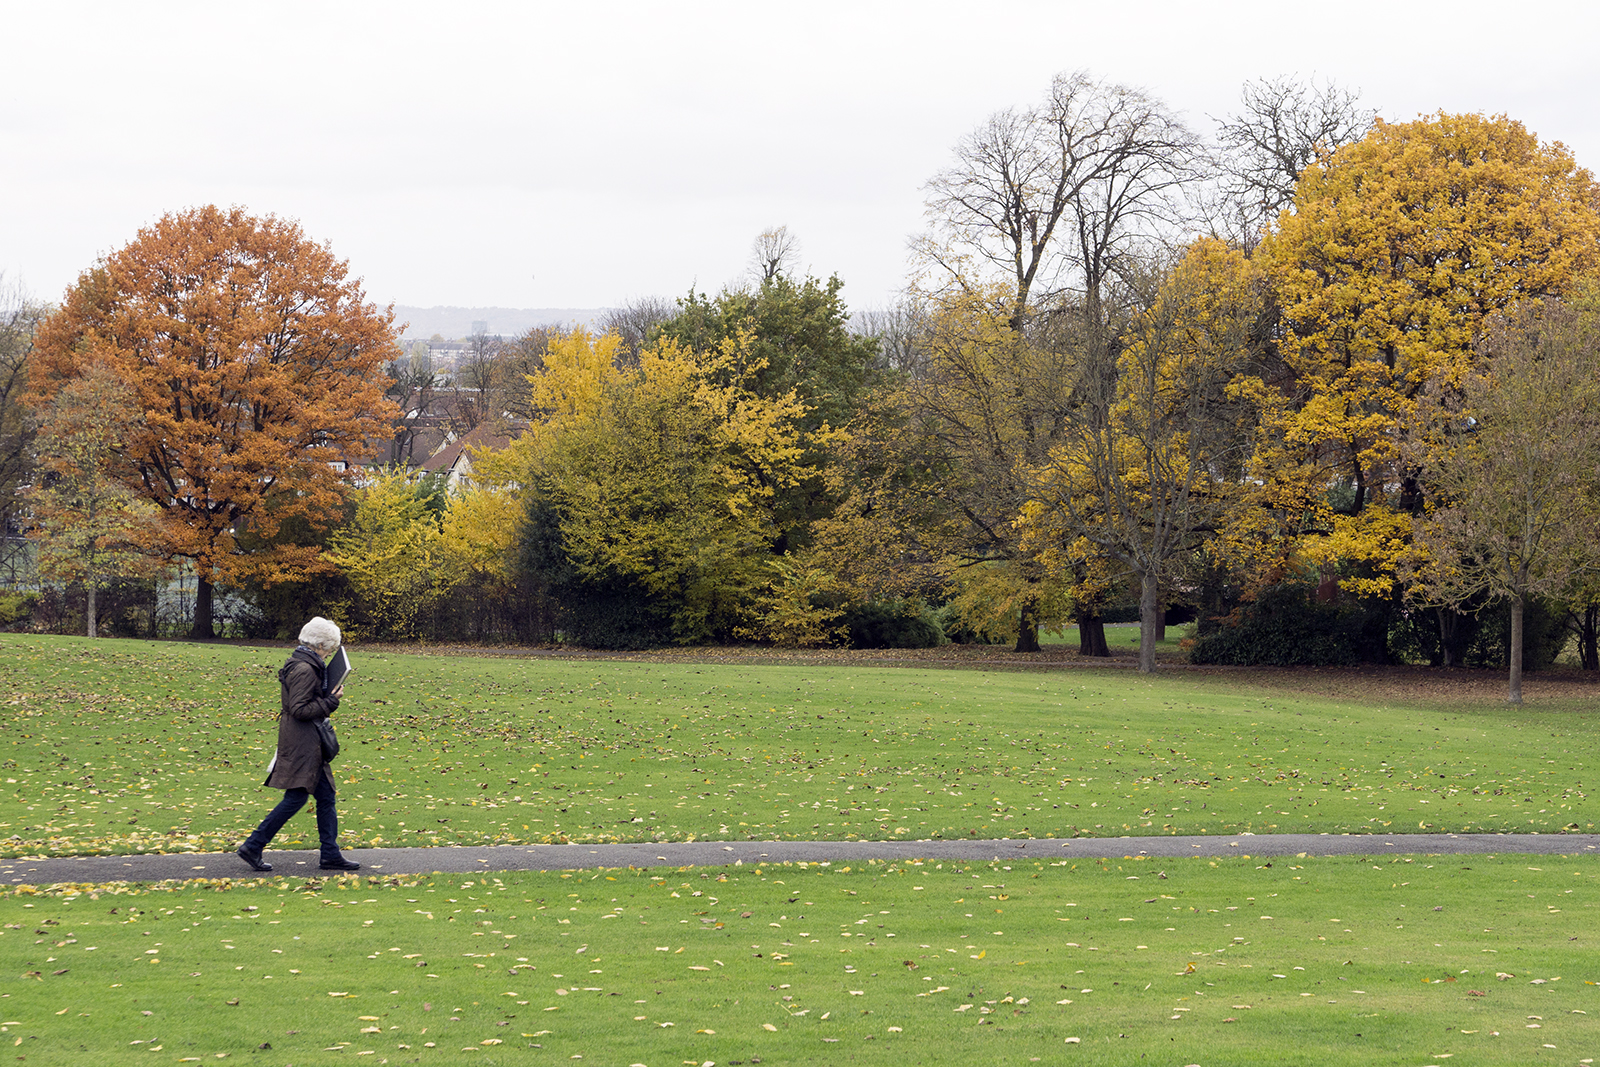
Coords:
pixel 635 320
pixel 413 385
pixel 1282 127
pixel 1050 197
pixel 773 253
pixel 898 329
pixel 477 384
pixel 1064 203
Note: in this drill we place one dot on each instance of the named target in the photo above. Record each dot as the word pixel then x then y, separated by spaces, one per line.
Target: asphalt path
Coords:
pixel 458 860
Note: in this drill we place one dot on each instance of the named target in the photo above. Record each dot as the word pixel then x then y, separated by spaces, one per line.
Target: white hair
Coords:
pixel 321 634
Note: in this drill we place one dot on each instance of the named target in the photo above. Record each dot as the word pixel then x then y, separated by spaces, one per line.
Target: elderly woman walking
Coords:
pixel 299 768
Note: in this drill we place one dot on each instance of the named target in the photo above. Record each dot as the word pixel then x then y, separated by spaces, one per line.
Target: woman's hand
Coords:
pixel 338 691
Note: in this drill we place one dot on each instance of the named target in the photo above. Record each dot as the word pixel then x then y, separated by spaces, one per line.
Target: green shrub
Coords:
pixel 1480 634
pixel 15 608
pixel 957 630
pixel 891 624
pixel 1285 626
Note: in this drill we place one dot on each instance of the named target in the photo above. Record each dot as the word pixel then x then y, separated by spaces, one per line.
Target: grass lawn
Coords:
pixel 1369 961
pixel 1119 635
pixel 124 746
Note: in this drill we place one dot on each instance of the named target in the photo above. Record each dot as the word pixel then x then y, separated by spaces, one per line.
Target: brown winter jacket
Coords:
pixel 299 762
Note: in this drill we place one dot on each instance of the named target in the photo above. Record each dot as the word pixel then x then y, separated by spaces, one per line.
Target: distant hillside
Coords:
pixel 453 322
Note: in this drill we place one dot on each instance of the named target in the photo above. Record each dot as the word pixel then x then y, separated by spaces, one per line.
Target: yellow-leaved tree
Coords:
pixel 935 477
pixel 1148 463
pixel 1396 249
pixel 649 489
pixel 479 534
pixel 392 555
pixel 85 525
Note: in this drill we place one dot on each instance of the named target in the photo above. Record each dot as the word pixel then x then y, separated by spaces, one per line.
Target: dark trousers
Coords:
pixel 293 800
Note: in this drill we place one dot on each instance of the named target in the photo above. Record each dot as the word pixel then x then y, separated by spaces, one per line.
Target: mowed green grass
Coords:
pixel 1119 635
pixel 1357 960
pixel 123 746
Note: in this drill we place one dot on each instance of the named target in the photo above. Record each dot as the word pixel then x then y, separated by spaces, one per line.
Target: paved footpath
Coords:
pixel 456 860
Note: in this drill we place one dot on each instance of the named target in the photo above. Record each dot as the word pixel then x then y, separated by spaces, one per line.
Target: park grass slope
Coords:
pixel 126 747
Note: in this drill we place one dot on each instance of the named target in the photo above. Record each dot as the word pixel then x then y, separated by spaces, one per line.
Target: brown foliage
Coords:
pixel 256 363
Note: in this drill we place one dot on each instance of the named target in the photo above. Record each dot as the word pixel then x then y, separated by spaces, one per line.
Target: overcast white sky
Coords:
pixel 579 154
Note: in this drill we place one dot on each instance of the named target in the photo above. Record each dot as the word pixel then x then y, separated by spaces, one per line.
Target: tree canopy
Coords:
pixel 1396 250
pixel 255 364
pixel 1511 451
pixel 662 475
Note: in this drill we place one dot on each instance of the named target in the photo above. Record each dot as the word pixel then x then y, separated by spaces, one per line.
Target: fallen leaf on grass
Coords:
pixel 769 1026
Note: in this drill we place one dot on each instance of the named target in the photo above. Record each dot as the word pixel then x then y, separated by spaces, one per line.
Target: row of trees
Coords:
pixel 1325 353
pixel 1315 404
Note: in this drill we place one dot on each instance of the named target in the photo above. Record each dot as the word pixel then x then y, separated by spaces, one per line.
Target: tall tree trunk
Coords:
pixel 92 612
pixel 1449 623
pixel 1028 627
pixel 202 610
pixel 1149 620
pixel 1588 627
pixel 1092 635
pixel 1514 689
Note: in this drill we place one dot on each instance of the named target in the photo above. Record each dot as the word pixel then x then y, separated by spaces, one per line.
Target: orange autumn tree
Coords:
pixel 256 364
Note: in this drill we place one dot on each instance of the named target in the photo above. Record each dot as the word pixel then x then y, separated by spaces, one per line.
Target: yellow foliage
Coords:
pixel 664 472
pixel 392 554
pixel 1377 540
pixel 1149 459
pixel 577 368
pixel 787 614
pixel 480 532
pixel 1396 249
pixel 991 597
pixel 570 387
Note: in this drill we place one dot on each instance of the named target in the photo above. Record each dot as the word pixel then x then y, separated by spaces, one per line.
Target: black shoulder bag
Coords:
pixel 329 739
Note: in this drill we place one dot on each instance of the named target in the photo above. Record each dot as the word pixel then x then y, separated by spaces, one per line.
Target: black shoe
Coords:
pixel 253 859
pixel 340 864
